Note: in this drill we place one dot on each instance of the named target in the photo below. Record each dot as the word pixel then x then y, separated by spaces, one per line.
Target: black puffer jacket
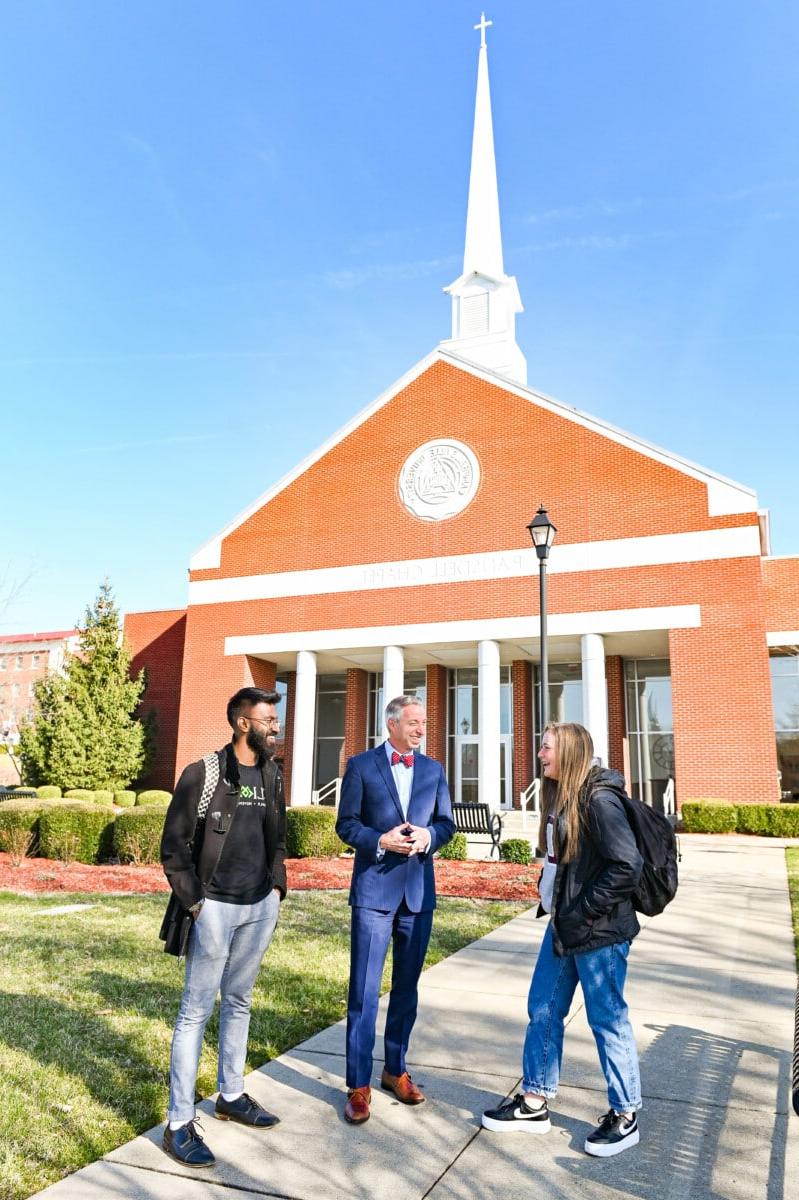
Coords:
pixel 591 905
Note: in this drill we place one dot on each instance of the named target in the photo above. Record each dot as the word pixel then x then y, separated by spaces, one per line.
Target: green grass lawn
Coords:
pixel 88 1002
pixel 792 859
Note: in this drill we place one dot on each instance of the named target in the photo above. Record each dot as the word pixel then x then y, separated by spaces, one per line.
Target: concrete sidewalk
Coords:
pixel 711 990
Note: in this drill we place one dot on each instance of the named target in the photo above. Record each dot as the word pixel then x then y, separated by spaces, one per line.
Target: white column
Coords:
pixel 302 754
pixel 393 677
pixel 488 782
pixel 595 693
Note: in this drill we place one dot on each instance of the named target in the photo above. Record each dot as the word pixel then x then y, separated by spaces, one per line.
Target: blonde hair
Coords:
pixel 568 795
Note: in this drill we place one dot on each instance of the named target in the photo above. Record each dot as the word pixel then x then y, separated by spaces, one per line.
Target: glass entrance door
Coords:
pixel 467 762
pixel 505 772
pixel 467 758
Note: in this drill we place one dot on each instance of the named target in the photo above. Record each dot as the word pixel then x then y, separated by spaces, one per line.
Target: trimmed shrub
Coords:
pixel 784 820
pixel 311 833
pixel 153 797
pixel 49 791
pixel 124 799
pixel 104 796
pixel 25 814
pixel 137 834
pixel 19 818
pixel 752 818
pixel 79 794
pixel 76 832
pixel 516 850
pixel 769 820
pixel 456 848
pixel 701 816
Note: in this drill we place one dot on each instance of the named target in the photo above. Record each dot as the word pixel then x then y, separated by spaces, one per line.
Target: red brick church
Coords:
pixel 396 558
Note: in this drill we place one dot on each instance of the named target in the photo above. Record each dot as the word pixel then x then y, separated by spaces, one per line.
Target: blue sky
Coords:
pixel 225 227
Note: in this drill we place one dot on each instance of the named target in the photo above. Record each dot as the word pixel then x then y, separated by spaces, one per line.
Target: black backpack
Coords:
pixel 660 850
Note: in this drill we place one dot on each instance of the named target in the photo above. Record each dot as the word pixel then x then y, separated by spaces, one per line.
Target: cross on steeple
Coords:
pixel 483 26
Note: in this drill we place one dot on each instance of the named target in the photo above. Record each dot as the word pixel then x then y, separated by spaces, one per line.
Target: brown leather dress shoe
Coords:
pixel 356 1110
pixel 403 1088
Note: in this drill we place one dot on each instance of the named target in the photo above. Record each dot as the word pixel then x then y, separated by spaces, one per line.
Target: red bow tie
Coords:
pixel 407 759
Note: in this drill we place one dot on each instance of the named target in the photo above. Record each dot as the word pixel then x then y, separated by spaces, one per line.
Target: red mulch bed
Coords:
pixel 480 880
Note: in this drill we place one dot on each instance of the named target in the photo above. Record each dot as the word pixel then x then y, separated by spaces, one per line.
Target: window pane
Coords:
pixel 469 761
pixel 788 760
pixel 328 751
pixel 332 683
pixel 414 680
pixel 469 792
pixel 785 690
pixel 505 709
pixel 649 705
pixel 784 664
pixel 330 714
pixel 566 702
pixel 466 710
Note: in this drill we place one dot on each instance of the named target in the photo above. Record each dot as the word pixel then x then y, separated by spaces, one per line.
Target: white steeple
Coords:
pixel 484 299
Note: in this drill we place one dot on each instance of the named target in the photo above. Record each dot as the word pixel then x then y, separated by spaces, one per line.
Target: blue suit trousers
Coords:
pixel 372 930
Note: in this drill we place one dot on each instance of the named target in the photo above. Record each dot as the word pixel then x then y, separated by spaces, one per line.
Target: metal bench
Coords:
pixel 477 820
pixel 18 794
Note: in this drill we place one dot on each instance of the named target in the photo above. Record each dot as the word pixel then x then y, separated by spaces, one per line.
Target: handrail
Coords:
pixel 331 788
pixel 669 804
pixel 530 798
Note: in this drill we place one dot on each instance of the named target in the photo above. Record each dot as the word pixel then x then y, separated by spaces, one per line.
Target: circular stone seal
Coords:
pixel 438 480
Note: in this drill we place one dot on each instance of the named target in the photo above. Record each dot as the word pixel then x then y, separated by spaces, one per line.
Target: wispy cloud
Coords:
pixel 767 187
pixel 347 278
pixel 594 208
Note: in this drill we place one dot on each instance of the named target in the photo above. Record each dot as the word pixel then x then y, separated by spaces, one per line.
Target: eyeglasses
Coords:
pixel 270 722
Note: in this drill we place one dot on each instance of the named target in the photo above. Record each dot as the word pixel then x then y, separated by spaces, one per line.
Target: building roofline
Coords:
pixel 724 495
pixel 58 636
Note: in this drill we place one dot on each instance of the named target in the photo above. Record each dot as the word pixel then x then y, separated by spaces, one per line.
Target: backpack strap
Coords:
pixel 211 764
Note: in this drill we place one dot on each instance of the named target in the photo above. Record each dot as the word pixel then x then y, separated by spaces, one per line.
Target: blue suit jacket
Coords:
pixel 369 807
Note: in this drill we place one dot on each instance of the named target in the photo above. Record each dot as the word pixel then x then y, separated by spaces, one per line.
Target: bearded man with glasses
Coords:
pixel 223 850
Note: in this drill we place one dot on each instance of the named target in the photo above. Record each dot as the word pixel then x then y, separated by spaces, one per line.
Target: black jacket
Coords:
pixel 189 862
pixel 591 905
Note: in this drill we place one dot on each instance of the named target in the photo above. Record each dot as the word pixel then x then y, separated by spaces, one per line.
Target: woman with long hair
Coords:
pixel 591 868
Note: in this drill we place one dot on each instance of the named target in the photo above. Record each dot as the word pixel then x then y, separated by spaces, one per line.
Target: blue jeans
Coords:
pixel 226 945
pixel 601 974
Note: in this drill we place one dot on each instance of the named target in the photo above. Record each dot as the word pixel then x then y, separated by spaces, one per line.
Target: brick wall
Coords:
pixel 724 742
pixel 437 713
pixel 157 641
pixel 781 592
pixel 521 674
pixel 594 487
pixel 356 712
pixel 614 676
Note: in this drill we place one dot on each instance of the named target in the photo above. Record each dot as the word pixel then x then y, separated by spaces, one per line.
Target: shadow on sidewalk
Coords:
pixel 688 1146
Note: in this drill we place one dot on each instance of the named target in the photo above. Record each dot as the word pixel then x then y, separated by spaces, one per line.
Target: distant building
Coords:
pixel 25 658
pixel 396 558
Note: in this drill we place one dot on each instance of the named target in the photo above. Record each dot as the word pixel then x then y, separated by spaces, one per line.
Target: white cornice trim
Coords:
pixel 445 633
pixel 658 550
pixel 724 495
pixel 784 637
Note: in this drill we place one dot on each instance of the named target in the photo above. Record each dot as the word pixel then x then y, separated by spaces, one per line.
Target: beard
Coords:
pixel 257 741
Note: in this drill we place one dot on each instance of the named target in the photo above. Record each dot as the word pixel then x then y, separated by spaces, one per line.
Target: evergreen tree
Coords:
pixel 84 733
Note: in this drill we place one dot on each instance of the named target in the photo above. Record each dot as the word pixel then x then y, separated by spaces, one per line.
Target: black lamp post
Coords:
pixel 542 531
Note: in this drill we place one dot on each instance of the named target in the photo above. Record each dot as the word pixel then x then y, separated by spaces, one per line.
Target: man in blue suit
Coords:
pixel 395 811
